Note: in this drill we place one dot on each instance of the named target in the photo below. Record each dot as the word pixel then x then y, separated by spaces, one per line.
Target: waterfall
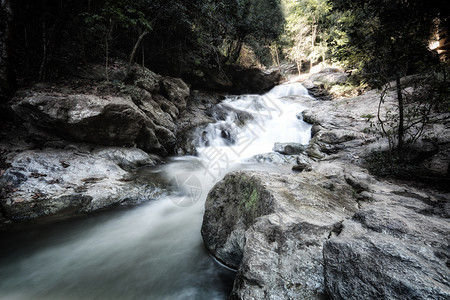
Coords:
pixel 270 118
pixel 155 250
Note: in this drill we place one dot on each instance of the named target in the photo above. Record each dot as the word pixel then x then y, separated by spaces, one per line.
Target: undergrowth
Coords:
pixel 385 165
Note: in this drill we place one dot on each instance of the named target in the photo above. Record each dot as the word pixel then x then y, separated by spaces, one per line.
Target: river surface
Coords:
pixel 153 250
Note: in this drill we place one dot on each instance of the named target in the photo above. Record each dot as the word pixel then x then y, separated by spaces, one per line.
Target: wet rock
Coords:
pixel 127 158
pixel 262 224
pixel 72 181
pixel 275 158
pixel 192 121
pixel 309 117
pixel 302 167
pixel 254 81
pixel 222 111
pixel 289 148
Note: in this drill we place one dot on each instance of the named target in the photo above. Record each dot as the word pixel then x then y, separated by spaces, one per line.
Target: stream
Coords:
pixel 154 250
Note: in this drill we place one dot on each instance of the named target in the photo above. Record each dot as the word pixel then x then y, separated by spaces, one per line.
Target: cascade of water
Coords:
pixel 289 89
pixel 273 119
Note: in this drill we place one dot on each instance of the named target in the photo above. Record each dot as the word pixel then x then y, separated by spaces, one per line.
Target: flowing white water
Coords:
pixel 275 119
pixel 152 251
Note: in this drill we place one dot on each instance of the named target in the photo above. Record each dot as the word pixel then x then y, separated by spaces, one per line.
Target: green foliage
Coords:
pixel 384 38
pixel 177 38
pixel 307 30
pixel 126 14
pixel 387 40
pixel 253 22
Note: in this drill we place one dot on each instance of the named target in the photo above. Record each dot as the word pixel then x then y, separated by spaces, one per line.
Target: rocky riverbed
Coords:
pixel 75 145
pixel 328 229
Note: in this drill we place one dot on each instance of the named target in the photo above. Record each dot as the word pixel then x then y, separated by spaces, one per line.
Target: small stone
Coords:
pixel 289 148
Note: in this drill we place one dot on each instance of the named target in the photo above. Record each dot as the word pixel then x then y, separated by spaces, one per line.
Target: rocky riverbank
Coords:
pixel 337 231
pixel 75 145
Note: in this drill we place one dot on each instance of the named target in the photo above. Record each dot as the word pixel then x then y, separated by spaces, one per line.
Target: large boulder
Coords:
pixel 138 110
pixel 43 183
pixel 209 78
pixel 176 91
pixel 193 119
pixel 329 83
pixel 90 118
pixel 144 79
pixel 329 75
pixel 394 247
pixel 271 228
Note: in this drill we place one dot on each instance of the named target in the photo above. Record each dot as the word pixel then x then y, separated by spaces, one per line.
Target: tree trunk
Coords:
pixel 143 54
pixel 299 66
pixel 278 57
pixel 235 51
pixel 133 53
pixel 401 126
pixel 274 54
pixel 7 77
pixel 313 39
pixel 107 38
pixel 44 52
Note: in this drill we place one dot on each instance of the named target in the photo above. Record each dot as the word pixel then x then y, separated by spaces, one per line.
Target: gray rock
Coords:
pixel 142 112
pixel 309 117
pixel 66 182
pixel 145 79
pixel 222 111
pixel 176 91
pixel 254 81
pixel 389 254
pixel 271 227
pixel 394 247
pixel 289 148
pixel 275 158
pixel 193 119
pixel 127 158
pixel 338 136
pixel 89 118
